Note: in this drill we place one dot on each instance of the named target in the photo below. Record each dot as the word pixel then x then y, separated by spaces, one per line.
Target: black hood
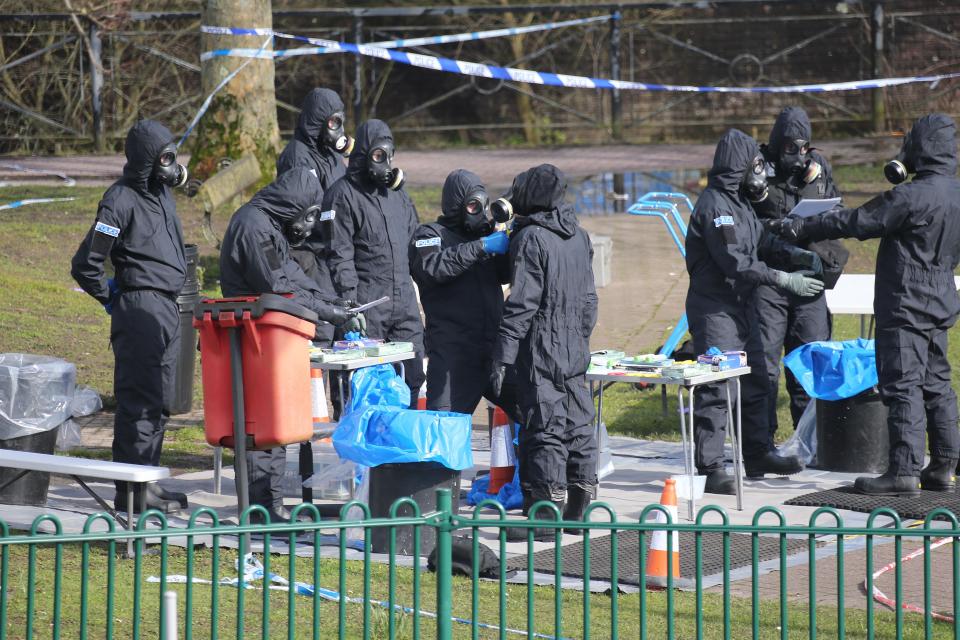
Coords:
pixel 735 151
pixel 367 133
pixel 292 192
pixel 537 198
pixel 143 145
pixel 458 185
pixel 791 124
pixel 319 105
pixel 931 145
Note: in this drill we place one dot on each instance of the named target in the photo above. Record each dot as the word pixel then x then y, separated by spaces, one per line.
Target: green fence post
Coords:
pixel 444 570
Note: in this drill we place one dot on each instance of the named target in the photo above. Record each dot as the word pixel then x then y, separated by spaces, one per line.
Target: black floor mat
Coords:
pixel 914 507
pixel 628 554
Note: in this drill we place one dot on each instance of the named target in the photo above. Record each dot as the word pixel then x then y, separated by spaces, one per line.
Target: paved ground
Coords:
pixel 497 166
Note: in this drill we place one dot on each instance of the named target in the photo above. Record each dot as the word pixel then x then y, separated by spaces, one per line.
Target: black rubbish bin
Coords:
pixel 30 489
pixel 416 480
pixel 186 301
pixel 852 434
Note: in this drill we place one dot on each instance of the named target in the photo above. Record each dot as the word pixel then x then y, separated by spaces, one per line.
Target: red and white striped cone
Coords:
pixel 658 564
pixel 422 398
pixel 318 398
pixel 503 460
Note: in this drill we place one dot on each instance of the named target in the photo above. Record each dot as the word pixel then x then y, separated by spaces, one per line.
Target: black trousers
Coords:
pixel 787 322
pixel 915 387
pixel 558 443
pixel 458 376
pixel 145 337
pixel 730 330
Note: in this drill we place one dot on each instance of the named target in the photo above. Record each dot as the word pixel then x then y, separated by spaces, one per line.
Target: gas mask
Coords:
pixel 476 215
pixel 166 170
pixel 379 166
pixel 334 136
pixel 897 170
pixel 754 184
pixel 793 155
pixel 300 226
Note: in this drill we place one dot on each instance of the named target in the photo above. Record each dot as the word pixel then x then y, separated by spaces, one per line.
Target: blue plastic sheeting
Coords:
pixel 834 370
pixel 378 428
pixel 509 495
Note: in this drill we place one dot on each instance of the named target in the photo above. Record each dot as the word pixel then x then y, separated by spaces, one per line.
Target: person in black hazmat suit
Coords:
pixel 459 263
pixel 795 171
pixel 545 336
pixel 915 302
pixel 319 143
pixel 255 259
pixel 724 240
pixel 373 222
pixel 138 229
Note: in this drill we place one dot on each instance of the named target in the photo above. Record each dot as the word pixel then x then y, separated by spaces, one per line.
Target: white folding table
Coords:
pixel 732 378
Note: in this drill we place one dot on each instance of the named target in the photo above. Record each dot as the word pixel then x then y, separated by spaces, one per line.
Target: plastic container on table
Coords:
pixel 275 348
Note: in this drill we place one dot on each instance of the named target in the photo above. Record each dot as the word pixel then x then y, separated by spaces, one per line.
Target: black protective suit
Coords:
pixel 788 321
pixel 138 229
pixel 724 239
pixel 462 297
pixel 254 259
pixel 368 258
pixel 304 150
pixel 545 334
pixel 915 299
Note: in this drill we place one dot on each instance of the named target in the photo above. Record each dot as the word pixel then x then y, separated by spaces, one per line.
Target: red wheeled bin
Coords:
pixel 255 358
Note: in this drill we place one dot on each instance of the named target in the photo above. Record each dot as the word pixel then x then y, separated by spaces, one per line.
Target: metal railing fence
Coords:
pixel 56 584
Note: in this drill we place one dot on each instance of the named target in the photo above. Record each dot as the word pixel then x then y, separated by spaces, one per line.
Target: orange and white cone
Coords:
pixel 422 398
pixel 657 561
pixel 318 398
pixel 503 460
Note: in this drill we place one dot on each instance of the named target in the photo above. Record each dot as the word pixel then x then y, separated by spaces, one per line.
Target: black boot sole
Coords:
pixel 892 494
pixel 926 486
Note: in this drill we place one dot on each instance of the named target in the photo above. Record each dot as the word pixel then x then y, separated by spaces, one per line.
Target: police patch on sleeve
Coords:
pixel 726 226
pixel 106 229
pixel 328 215
pixel 428 242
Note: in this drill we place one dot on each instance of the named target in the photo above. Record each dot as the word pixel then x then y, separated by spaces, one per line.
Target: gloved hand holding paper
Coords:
pixel 810 207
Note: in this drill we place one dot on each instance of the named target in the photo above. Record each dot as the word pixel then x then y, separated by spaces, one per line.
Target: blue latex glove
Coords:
pixel 114 294
pixel 497 243
pixel 351 335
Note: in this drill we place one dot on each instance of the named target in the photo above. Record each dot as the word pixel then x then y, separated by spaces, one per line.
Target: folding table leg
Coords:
pixel 217 470
pixel 130 516
pixel 692 466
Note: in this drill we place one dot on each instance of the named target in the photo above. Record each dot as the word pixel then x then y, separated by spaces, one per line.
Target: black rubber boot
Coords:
pixel 153 502
pixel 278 515
pixel 170 496
pixel 772 463
pixel 519 534
pixel 720 483
pixel 578 499
pixel 939 475
pixel 888 485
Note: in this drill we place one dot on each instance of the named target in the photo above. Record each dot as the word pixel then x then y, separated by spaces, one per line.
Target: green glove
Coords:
pixel 799 284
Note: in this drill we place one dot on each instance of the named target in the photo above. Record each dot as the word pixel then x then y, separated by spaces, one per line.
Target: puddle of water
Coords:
pixel 609 193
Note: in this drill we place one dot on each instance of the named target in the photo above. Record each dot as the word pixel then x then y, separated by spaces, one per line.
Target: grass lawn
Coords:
pixel 204 616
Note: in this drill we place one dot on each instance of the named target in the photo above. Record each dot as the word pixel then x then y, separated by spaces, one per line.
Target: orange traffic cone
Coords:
pixel 657 561
pixel 503 460
pixel 422 398
pixel 318 398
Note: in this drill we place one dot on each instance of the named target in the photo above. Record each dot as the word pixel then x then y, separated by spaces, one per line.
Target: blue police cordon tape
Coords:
pixel 409 42
pixel 461 67
pixel 253 572
pixel 223 83
pixel 20 203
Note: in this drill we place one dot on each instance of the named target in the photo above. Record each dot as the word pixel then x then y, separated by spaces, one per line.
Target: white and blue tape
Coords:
pixel 461 67
pixel 20 203
pixel 408 42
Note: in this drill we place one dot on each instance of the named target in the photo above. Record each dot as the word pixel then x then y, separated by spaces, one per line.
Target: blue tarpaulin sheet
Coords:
pixel 378 428
pixel 834 370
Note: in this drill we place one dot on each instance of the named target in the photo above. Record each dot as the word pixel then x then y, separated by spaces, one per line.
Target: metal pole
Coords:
pixel 444 566
pixel 169 615
pixel 878 96
pixel 96 86
pixel 357 73
pixel 616 109
pixel 239 431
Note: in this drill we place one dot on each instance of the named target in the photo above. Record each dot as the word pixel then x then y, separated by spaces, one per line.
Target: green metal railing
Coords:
pixel 66 585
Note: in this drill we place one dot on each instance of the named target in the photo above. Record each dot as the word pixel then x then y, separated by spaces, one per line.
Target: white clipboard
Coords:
pixel 806 208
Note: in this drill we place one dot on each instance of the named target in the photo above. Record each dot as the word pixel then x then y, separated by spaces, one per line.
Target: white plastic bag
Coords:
pixel 68 437
pixel 803 442
pixel 86 401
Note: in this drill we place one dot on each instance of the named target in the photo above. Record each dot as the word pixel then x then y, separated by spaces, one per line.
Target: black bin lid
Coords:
pixel 256 305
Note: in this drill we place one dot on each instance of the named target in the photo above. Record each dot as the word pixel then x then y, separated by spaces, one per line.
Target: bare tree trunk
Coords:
pixel 528 116
pixel 243 115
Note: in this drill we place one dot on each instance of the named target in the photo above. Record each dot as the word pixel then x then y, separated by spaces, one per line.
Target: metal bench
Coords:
pixel 79 468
